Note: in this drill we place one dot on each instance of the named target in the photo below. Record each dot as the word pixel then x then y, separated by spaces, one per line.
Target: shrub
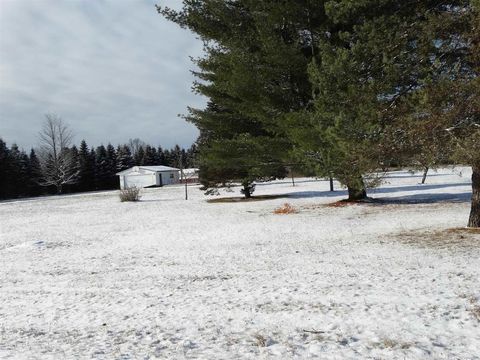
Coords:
pixel 130 194
pixel 285 209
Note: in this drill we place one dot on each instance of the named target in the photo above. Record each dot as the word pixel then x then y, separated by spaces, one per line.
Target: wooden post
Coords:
pixel 182 177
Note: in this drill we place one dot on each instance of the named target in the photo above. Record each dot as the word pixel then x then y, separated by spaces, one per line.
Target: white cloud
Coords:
pixel 112 69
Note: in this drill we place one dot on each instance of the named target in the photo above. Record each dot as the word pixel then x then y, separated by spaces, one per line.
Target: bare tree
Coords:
pixel 135 145
pixel 57 163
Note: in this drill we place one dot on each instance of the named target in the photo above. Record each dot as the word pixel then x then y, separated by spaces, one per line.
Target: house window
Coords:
pixel 171 176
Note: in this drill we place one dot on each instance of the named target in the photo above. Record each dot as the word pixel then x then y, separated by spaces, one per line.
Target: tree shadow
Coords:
pixel 421 197
pixel 410 176
pixel 418 187
pixel 289 181
pixel 425 199
pixel 315 194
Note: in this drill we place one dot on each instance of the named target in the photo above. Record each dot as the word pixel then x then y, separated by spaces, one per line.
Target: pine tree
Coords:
pixel 102 170
pixel 444 112
pixel 149 157
pixel 254 73
pixel 86 167
pixel 93 162
pixel 18 171
pixel 34 174
pixel 5 177
pixel 112 182
pixel 192 153
pixel 124 158
pixel 139 157
pixel 160 160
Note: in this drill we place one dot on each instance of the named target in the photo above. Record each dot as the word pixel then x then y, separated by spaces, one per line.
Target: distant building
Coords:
pixel 148 176
pixel 189 175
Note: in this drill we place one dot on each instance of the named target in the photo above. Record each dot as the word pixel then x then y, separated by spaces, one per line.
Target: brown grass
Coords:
pixel 475 309
pixel 463 231
pixel 341 203
pixel 448 239
pixel 260 340
pixel 129 194
pixel 285 209
pixel 346 202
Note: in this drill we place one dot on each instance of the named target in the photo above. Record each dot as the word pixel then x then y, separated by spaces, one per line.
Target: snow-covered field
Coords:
pixel 85 276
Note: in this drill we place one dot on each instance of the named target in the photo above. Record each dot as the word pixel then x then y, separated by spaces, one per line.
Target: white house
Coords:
pixel 148 176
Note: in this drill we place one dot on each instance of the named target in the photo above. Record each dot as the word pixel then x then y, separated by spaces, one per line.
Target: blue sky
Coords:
pixel 112 69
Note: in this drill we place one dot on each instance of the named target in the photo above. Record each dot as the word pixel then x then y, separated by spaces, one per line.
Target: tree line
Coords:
pixel 339 88
pixel 79 169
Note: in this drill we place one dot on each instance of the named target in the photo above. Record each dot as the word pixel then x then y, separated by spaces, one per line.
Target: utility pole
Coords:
pixel 186 187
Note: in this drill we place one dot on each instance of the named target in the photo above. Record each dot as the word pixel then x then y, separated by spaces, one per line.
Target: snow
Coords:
pixel 85 276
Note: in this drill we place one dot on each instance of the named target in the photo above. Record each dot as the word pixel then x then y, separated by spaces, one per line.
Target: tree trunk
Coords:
pixel 356 190
pixel 246 191
pixel 425 172
pixel 356 194
pixel 474 220
pixel 331 184
pixel 59 189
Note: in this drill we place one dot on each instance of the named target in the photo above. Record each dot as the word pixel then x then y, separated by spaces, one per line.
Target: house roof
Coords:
pixel 159 168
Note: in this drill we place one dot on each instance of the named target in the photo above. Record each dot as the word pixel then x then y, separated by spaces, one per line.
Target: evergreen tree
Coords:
pixel 444 109
pixel 139 157
pixel 5 177
pixel 86 167
pixel 192 156
pixel 34 174
pixel 150 155
pixel 124 158
pixel 18 171
pixel 168 158
pixel 102 169
pixel 160 160
pixel 93 161
pixel 112 167
pixel 255 73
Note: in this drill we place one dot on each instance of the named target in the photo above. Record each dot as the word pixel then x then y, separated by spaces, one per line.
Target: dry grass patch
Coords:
pixel 448 239
pixel 475 309
pixel 260 340
pixel 285 209
pixel 388 343
pixel 464 231
pixel 130 194
pixel 346 202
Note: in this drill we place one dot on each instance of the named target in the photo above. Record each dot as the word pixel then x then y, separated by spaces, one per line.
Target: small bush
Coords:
pixel 130 194
pixel 285 209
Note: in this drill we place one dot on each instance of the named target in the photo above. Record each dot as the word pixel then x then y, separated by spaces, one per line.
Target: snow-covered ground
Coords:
pixel 85 276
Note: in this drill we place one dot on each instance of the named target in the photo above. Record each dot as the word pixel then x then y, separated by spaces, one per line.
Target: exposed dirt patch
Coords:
pixel 463 231
pixel 346 202
pixel 448 239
